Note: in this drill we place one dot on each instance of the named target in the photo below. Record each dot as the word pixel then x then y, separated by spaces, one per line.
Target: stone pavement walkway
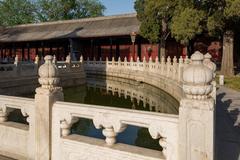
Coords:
pixel 227 124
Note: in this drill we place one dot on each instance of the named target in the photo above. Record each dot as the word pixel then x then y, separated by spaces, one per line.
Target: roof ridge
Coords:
pixel 128 15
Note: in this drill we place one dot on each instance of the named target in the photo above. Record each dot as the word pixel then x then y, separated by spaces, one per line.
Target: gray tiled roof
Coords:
pixel 82 28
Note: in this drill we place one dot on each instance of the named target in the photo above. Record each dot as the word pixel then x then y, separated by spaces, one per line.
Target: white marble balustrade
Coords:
pixel 16 139
pixel 113 121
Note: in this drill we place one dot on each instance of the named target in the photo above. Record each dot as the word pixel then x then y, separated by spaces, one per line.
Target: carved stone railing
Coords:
pixel 187 136
pixel 17 140
pixel 113 121
pixel 166 75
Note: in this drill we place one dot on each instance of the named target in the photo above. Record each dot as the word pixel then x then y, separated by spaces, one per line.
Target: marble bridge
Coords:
pixel 186 136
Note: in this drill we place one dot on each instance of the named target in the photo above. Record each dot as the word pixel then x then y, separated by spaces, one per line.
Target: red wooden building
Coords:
pixel 91 37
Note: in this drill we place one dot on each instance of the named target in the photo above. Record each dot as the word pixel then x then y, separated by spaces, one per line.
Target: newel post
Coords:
pixel 196 112
pixel 45 96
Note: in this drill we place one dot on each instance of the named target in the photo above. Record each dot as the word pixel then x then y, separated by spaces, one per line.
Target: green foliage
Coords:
pixel 187 24
pixel 232 10
pixel 187 18
pixel 13 12
pixel 151 13
pixel 52 10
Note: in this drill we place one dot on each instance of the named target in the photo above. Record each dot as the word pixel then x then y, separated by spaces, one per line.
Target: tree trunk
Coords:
pixel 163 37
pixel 163 48
pixel 227 58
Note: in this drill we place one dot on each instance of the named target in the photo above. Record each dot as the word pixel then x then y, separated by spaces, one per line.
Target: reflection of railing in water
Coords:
pixel 156 99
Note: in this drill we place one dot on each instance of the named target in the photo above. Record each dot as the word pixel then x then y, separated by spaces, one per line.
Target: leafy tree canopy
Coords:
pixel 13 12
pixel 52 10
pixel 187 18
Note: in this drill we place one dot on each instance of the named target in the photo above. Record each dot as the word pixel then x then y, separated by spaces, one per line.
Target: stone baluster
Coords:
pixel 207 62
pixel 168 66
pixel 138 59
pixel 163 66
pixel 16 60
pixel 81 59
pixel 175 68
pixel 110 135
pixel 196 112
pixel 113 61
pixel 180 68
pixel 131 59
pixel 150 60
pixel 68 59
pixel 45 97
pixel 54 61
pixel 111 127
pixel 119 62
pixel 66 125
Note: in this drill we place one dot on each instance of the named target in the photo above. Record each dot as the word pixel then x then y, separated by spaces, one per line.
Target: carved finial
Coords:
pixel 113 59
pixel 180 60
pixel 125 59
pixel 150 59
pixel 100 59
pixel 68 59
pixel 119 59
pixel 144 59
pixel 174 59
pixel 138 60
pixel 81 59
pixel 87 58
pixel 131 59
pixel 94 58
pixel 207 62
pixel 106 59
pixel 156 59
pixel 168 60
pixel 197 78
pixel 48 74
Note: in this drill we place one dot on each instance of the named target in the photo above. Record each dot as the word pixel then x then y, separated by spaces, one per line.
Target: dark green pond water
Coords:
pixel 120 93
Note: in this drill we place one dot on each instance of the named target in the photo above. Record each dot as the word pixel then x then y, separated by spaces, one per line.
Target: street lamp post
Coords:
pixel 133 39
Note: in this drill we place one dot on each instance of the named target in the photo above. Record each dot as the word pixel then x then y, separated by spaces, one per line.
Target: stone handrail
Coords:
pixel 166 75
pixel 114 121
pixel 170 68
pixel 17 137
pixel 18 70
pixel 187 136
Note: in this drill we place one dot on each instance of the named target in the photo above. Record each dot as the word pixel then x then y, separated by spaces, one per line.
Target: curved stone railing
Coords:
pixel 166 75
pixel 187 136
pixel 113 121
pixel 17 140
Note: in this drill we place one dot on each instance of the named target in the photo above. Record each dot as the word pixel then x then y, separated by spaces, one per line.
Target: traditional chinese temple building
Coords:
pixel 110 36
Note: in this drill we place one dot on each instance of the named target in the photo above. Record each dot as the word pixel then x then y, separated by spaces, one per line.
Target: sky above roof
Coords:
pixel 114 7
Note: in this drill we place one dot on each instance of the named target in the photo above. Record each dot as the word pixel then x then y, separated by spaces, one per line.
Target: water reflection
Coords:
pixel 121 93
